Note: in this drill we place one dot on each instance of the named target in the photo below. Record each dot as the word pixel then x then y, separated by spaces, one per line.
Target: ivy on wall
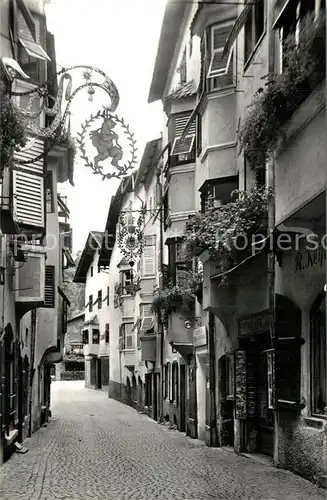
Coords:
pixel 303 68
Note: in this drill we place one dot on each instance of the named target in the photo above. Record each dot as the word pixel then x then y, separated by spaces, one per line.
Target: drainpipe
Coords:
pixel 161 328
pixel 212 382
pixel 271 183
pixel 31 374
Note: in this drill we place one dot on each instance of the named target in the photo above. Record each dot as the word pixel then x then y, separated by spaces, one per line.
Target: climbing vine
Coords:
pixel 262 127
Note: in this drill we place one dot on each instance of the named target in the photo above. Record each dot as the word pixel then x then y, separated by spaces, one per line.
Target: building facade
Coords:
pixel 34 307
pixel 236 353
pixel 72 366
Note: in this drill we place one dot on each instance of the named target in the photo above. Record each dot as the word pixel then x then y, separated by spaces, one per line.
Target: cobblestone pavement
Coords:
pixel 95 447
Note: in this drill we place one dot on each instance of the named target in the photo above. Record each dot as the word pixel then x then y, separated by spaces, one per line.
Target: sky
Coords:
pixel 120 37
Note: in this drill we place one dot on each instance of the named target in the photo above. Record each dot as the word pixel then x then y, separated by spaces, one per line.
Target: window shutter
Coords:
pixel 185 145
pixel 149 257
pixel 170 376
pixel 240 385
pixel 49 296
pixel 147 318
pixel 287 355
pixel 220 66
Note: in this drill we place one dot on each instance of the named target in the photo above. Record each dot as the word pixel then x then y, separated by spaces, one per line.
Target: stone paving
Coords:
pixel 97 448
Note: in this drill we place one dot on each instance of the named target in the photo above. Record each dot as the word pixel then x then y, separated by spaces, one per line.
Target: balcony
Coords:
pixel 30 279
pixel 148 348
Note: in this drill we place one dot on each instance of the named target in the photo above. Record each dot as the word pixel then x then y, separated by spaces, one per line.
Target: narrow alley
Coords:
pixel 95 447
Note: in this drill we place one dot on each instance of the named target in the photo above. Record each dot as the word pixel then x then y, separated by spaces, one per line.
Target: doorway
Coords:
pixel 182 399
pixel 260 411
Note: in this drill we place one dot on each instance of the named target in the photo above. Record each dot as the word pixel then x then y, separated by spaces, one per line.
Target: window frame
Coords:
pixel 99 300
pixel 257 43
pixel 316 307
pixel 210 82
pixel 91 303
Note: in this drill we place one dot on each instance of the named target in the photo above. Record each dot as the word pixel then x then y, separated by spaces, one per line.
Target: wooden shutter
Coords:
pixel 149 257
pixel 182 146
pixel 220 67
pixel 147 318
pixel 287 355
pixel 50 280
pixel 240 385
pixel 28 186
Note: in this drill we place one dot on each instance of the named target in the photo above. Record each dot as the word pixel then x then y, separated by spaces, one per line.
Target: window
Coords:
pixel 147 319
pixel 50 289
pixel 108 296
pixel 31 56
pixel 149 256
pixel 175 382
pixel 220 71
pixel 49 192
pixel 179 270
pixel 260 177
pixel 318 356
pixel 183 150
pixel 230 376
pixel 254 28
pixel 127 334
pixel 90 303
pixel 198 134
pixel 91 271
pixel 126 281
pixel 99 299
pixel 165 208
pixel 85 336
pixel 217 192
pixel 95 336
pixel 166 382
pixel 106 331
pixel 182 68
pixel 290 18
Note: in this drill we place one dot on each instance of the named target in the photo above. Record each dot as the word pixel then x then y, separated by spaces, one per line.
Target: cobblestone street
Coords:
pixel 95 447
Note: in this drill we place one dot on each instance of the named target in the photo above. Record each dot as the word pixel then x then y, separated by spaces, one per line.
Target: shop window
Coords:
pixel 254 28
pixel 318 356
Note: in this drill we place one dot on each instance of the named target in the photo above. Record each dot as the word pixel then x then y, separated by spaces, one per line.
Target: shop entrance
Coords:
pixel 260 428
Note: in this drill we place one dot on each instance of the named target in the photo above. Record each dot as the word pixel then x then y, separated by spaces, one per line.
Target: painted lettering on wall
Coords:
pixel 310 258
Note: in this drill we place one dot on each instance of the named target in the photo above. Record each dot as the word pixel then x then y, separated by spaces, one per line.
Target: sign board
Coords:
pixel 255 324
pixel 240 385
pixel 200 336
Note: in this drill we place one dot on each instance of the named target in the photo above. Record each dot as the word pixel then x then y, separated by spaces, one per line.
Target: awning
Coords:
pixel 238 25
pixel 183 348
pixel 69 257
pixel 34 49
pixel 92 321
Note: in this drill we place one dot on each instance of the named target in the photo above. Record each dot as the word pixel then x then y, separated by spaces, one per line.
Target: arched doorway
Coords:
pixel 318 355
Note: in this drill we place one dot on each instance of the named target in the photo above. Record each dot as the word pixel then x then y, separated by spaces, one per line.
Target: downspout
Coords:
pixel 160 325
pixel 31 374
pixel 271 185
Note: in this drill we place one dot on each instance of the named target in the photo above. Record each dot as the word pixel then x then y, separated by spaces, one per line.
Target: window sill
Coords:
pixel 248 62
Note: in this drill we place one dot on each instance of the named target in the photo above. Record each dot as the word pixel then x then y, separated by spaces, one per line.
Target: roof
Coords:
pixel 92 321
pixel 149 159
pixel 170 32
pixel 187 89
pixel 93 242
pixel 76 317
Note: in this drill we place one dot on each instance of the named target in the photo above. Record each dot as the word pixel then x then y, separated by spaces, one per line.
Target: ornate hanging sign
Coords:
pixel 131 235
pixel 105 139
pixel 108 144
